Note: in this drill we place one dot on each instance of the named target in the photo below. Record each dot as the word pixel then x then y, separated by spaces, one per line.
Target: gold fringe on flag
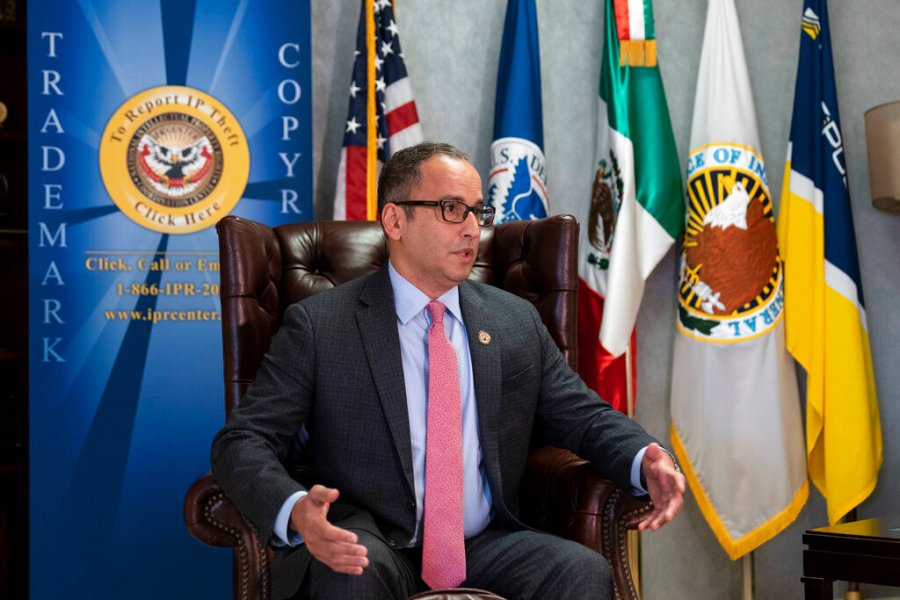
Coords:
pixel 637 53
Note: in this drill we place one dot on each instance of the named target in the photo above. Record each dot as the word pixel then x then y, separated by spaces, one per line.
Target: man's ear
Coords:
pixel 392 217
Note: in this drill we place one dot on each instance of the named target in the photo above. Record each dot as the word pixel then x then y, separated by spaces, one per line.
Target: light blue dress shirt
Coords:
pixel 413 322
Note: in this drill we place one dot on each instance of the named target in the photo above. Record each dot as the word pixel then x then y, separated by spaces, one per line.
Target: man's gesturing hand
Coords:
pixel 665 485
pixel 330 545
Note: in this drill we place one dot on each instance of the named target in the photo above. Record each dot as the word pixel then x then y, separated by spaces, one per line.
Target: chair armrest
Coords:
pixel 562 494
pixel 213 519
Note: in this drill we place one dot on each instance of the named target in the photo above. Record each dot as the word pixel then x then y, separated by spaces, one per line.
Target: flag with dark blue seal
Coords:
pixel 518 185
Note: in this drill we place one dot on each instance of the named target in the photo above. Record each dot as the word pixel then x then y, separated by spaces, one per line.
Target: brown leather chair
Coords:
pixel 264 270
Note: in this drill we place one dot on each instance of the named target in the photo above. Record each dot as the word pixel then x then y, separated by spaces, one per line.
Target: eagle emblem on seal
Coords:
pixel 176 161
pixel 730 284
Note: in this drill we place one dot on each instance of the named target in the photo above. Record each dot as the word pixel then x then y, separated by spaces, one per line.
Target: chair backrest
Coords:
pixel 266 269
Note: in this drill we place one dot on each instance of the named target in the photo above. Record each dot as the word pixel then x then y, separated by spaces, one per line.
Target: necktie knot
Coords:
pixel 436 310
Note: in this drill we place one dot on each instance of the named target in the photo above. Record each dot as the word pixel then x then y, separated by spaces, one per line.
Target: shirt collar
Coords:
pixel 409 300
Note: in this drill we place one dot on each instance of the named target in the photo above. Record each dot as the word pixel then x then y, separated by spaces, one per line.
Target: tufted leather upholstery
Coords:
pixel 264 270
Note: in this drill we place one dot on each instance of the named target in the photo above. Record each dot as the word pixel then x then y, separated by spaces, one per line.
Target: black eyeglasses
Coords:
pixel 456 211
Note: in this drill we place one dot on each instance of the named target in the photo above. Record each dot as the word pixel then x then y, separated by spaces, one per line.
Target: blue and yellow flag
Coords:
pixel 824 309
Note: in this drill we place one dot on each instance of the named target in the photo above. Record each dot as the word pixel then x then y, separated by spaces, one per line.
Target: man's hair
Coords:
pixel 403 171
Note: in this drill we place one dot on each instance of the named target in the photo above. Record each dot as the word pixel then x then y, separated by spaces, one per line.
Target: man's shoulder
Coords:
pixel 495 298
pixel 343 296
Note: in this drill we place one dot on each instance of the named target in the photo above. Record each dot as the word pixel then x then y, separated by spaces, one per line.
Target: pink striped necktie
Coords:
pixel 443 543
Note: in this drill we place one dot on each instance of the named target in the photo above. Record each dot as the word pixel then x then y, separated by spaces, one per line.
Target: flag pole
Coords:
pixel 747 564
pixel 629 378
pixel 853 592
pixel 634 536
pixel 371 123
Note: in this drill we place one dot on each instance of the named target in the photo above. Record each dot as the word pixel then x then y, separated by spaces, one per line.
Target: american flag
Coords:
pixel 381 118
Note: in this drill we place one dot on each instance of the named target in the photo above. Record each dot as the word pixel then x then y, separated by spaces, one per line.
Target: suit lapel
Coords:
pixel 486 371
pixel 377 320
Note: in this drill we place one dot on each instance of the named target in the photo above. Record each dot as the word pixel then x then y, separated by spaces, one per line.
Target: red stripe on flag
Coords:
pixel 539 183
pixel 600 370
pixel 402 117
pixel 623 24
pixel 356 183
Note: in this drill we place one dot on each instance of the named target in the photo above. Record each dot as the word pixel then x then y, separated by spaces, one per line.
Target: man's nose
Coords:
pixel 471 223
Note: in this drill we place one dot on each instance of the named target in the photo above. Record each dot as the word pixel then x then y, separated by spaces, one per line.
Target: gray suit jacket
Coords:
pixel 335 366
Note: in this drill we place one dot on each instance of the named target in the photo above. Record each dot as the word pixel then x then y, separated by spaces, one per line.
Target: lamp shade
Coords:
pixel 883 146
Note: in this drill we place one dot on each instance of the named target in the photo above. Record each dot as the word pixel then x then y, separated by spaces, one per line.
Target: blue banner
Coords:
pixel 148 122
pixel 517 188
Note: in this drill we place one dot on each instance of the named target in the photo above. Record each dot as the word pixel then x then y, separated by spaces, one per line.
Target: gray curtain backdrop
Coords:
pixel 452 50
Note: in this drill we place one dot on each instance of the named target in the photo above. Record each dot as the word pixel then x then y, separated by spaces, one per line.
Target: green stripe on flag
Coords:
pixel 649 29
pixel 638 111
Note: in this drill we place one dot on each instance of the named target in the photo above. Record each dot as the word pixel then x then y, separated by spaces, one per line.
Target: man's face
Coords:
pixel 429 252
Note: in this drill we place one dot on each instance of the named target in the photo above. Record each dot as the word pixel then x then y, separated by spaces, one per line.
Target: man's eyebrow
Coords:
pixel 479 202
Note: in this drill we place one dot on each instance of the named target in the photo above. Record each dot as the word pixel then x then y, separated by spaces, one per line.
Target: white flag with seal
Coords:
pixel 736 424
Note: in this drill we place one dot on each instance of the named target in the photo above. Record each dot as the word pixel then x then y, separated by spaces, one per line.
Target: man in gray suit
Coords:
pixel 351 366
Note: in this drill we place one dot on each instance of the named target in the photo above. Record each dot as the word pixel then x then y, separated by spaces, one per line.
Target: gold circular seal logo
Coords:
pixel 730 285
pixel 174 159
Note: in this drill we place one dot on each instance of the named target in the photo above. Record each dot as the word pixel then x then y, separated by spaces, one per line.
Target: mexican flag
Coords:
pixel 635 212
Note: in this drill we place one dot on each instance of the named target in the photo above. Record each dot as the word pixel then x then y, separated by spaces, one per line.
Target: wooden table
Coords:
pixel 865 551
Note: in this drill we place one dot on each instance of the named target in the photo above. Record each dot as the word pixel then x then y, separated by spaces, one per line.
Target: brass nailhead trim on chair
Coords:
pixel 243 555
pixel 263 560
pixel 621 543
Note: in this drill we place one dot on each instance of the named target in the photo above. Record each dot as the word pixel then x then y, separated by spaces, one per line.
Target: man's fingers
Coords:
pixel 348 561
pixel 662 513
pixel 341 549
pixel 332 534
pixel 649 521
pixel 341 557
pixel 644 524
pixel 343 562
pixel 667 501
pixel 653 521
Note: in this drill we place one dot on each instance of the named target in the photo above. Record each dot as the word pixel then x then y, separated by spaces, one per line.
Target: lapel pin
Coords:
pixel 484 337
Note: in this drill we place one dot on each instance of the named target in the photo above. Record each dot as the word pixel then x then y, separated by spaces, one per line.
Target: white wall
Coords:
pixel 451 51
